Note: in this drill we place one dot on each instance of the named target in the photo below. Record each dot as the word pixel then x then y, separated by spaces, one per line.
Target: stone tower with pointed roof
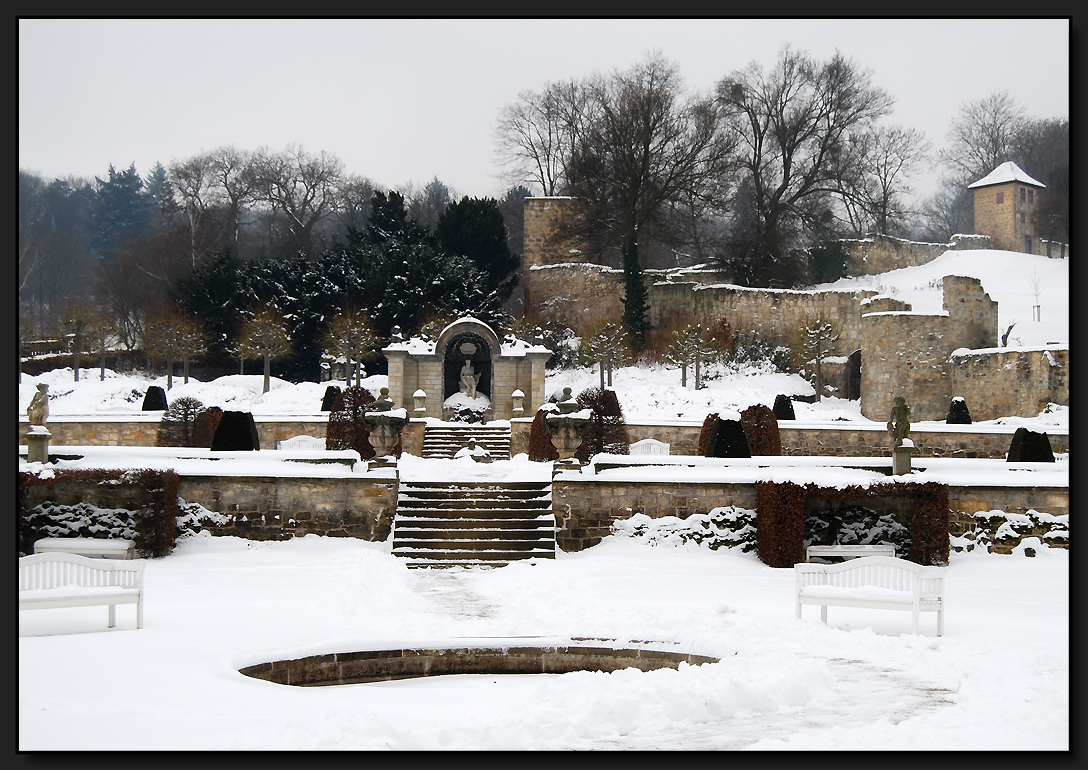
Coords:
pixel 1005 203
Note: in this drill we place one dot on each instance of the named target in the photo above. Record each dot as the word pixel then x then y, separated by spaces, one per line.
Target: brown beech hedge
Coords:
pixel 780 515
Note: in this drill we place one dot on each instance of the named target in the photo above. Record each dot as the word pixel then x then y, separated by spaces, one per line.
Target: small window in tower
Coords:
pixel 1023 194
pixel 1021 216
pixel 1031 196
pixel 1001 197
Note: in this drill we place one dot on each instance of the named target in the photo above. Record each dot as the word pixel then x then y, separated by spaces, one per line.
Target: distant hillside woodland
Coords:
pixel 195 261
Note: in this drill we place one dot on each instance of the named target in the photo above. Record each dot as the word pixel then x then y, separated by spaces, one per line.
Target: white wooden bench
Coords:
pixel 52 580
pixel 848 551
pixel 103 548
pixel 649 446
pixel 301 442
pixel 875 582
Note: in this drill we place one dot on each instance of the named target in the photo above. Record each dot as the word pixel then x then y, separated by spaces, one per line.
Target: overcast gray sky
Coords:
pixel 404 101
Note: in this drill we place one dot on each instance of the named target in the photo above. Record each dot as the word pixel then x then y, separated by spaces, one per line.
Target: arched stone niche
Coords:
pixel 436 370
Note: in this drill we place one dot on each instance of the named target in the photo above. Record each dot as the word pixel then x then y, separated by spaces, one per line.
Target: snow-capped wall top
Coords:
pixel 1006 172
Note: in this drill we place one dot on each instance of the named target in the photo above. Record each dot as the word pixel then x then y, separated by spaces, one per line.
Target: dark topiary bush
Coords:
pixel 329 399
pixel 204 426
pixel 154 399
pixel 236 432
pixel 958 413
pixel 178 423
pixel 347 428
pixel 783 408
pixel 607 429
pixel 541 449
pixel 709 425
pixel 761 430
pixel 1030 447
pixel 727 439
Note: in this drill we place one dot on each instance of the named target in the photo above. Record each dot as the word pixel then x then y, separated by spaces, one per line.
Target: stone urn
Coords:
pixel 385 425
pixel 567 427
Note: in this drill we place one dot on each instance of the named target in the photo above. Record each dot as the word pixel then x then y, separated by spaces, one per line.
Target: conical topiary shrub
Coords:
pixel 761 430
pixel 958 413
pixel 329 399
pixel 728 440
pixel 236 432
pixel 1030 447
pixel 783 408
pixel 154 400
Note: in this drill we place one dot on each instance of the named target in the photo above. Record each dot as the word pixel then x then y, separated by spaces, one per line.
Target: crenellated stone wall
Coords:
pixel 1003 382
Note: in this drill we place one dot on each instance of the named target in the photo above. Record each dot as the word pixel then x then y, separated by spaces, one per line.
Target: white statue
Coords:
pixel 38 411
pixel 469 380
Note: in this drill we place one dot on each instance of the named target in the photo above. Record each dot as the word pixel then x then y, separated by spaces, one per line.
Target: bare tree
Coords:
pixel 100 337
pixel 352 336
pixel 239 184
pixel 264 335
pixel 304 188
pixel 818 338
pixel 886 156
pixel 689 347
pixel 75 320
pixel 794 123
pixel 195 184
pixel 536 135
pixel 981 137
pixel 607 344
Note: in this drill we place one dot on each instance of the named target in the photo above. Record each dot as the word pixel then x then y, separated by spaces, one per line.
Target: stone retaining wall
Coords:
pixel 827 441
pixel 584 511
pixel 999 382
pixel 261 508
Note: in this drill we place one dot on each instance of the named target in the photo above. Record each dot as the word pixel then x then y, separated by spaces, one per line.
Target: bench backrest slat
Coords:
pixel 880 571
pixel 53 570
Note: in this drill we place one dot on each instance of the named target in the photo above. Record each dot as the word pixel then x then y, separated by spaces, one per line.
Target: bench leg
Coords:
pixel 823 613
pixel 140 612
pixel 914 621
pixel 940 620
pixel 113 615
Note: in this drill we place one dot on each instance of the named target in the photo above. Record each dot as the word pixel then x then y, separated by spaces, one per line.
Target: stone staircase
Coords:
pixel 441 442
pixel 444 524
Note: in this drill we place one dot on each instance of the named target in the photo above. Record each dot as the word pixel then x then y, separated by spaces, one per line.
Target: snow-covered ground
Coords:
pixel 997 680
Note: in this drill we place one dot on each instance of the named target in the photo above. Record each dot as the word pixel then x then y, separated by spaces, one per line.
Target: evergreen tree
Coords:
pixel 121 209
pixel 475 228
pixel 635 299
pixel 215 293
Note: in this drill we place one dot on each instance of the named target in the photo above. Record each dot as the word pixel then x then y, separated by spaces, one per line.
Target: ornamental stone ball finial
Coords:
pixel 383 403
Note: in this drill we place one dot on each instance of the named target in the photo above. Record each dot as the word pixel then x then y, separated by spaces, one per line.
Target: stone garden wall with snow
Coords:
pixel 882 253
pixel 1000 381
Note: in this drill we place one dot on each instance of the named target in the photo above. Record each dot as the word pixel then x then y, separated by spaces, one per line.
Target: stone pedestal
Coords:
pixel 566 429
pixel 385 425
pixel 37 444
pixel 901 458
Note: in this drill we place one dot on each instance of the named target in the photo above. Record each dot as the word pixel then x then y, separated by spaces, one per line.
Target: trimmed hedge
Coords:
pixel 783 407
pixel 154 521
pixel 761 429
pixel 1029 446
pixel 154 399
pixel 347 426
pixel 541 448
pixel 780 517
pixel 704 435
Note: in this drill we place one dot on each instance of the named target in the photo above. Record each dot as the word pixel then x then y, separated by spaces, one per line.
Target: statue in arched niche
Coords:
pixel 469 379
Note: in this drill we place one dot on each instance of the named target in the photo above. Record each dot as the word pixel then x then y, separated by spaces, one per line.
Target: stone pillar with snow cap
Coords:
pixel 385 425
